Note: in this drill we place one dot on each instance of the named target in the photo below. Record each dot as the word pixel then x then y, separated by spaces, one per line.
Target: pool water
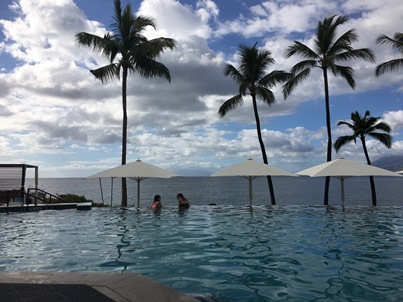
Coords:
pixel 291 253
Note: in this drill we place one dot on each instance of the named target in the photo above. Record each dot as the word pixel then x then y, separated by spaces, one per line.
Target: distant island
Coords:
pixel 392 163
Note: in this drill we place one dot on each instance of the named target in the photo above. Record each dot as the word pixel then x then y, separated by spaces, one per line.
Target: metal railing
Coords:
pixel 45 196
pixel 31 196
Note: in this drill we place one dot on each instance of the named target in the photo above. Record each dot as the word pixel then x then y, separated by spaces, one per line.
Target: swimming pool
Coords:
pixel 292 253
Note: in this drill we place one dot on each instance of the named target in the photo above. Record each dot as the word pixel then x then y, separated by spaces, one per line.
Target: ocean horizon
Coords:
pixel 229 190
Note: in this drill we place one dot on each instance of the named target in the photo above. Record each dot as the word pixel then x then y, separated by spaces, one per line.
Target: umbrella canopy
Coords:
pixel 138 171
pixel 343 168
pixel 251 169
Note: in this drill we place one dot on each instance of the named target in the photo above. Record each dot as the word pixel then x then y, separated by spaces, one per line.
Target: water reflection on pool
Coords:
pixel 291 253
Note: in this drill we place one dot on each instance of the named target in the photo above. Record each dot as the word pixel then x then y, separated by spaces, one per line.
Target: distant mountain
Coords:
pixel 392 163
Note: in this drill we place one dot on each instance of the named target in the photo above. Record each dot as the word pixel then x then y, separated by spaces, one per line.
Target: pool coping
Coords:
pixel 14 207
pixel 120 287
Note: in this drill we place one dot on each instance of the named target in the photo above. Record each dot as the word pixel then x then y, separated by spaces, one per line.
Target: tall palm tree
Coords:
pixel 129 52
pixel 327 53
pixel 362 126
pixel 253 80
pixel 397 44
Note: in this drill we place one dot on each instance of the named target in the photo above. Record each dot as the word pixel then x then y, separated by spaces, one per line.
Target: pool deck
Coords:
pixel 118 287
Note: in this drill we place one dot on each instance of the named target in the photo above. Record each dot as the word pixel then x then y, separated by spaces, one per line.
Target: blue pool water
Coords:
pixel 281 253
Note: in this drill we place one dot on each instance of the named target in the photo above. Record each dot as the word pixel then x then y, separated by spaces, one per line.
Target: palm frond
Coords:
pixel 340 123
pixel 106 73
pixel 123 30
pixel 153 48
pixel 148 68
pixel 290 85
pixel 253 62
pixel 391 65
pixel 300 49
pixel 230 104
pixel 117 17
pixel 342 141
pixel 104 45
pixel 305 64
pixel 343 43
pixel 345 72
pixel 231 71
pixel 382 126
pixel 324 35
pixel 265 95
pixel 326 32
pixel 141 22
pixel 384 138
pixel 396 42
pixel 274 78
pixel 363 53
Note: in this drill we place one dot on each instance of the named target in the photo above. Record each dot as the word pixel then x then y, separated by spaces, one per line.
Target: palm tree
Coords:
pixel 363 126
pixel 327 53
pixel 253 80
pixel 397 44
pixel 129 52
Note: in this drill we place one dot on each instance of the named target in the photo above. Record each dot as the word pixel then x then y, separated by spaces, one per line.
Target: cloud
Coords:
pixel 178 21
pixel 394 119
pixel 53 104
pixel 282 17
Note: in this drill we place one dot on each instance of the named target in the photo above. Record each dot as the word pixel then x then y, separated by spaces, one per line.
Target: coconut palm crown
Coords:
pixel 363 126
pixel 328 52
pixel 254 80
pixel 128 52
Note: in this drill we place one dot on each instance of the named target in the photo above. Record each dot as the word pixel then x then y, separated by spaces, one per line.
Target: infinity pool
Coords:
pixel 232 253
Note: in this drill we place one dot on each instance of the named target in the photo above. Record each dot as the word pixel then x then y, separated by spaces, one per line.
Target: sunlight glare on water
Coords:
pixel 289 253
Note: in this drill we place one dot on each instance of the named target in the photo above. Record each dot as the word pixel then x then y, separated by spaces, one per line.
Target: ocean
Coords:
pixel 230 190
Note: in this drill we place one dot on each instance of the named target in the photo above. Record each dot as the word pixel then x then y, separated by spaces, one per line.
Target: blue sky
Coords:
pixel 56 115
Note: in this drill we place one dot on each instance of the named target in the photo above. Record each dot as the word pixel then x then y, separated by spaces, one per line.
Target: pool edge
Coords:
pixel 121 287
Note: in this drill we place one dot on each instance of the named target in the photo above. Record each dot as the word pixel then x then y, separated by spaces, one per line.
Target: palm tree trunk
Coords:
pixel 329 135
pixel 262 147
pixel 371 178
pixel 124 134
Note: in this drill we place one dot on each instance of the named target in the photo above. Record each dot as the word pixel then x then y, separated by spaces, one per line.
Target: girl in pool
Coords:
pixel 156 203
pixel 183 203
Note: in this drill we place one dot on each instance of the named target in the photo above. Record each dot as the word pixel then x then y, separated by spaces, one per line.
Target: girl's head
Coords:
pixel 180 195
pixel 157 198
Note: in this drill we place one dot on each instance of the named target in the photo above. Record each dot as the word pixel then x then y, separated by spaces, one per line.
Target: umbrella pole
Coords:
pixel 250 190
pixel 138 192
pixel 342 191
pixel 102 194
pixel 111 190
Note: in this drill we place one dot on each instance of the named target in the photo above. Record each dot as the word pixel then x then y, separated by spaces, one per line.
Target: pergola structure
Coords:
pixel 12 177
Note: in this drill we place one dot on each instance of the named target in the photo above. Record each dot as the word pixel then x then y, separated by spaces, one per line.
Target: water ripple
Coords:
pixel 235 253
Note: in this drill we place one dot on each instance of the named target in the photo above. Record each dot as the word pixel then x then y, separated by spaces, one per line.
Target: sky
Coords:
pixel 55 114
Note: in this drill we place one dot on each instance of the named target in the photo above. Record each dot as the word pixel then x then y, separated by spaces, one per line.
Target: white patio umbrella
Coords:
pixel 342 169
pixel 251 169
pixel 138 171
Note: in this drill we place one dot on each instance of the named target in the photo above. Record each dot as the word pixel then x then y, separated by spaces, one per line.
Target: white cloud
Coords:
pixel 53 105
pixel 394 119
pixel 177 21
